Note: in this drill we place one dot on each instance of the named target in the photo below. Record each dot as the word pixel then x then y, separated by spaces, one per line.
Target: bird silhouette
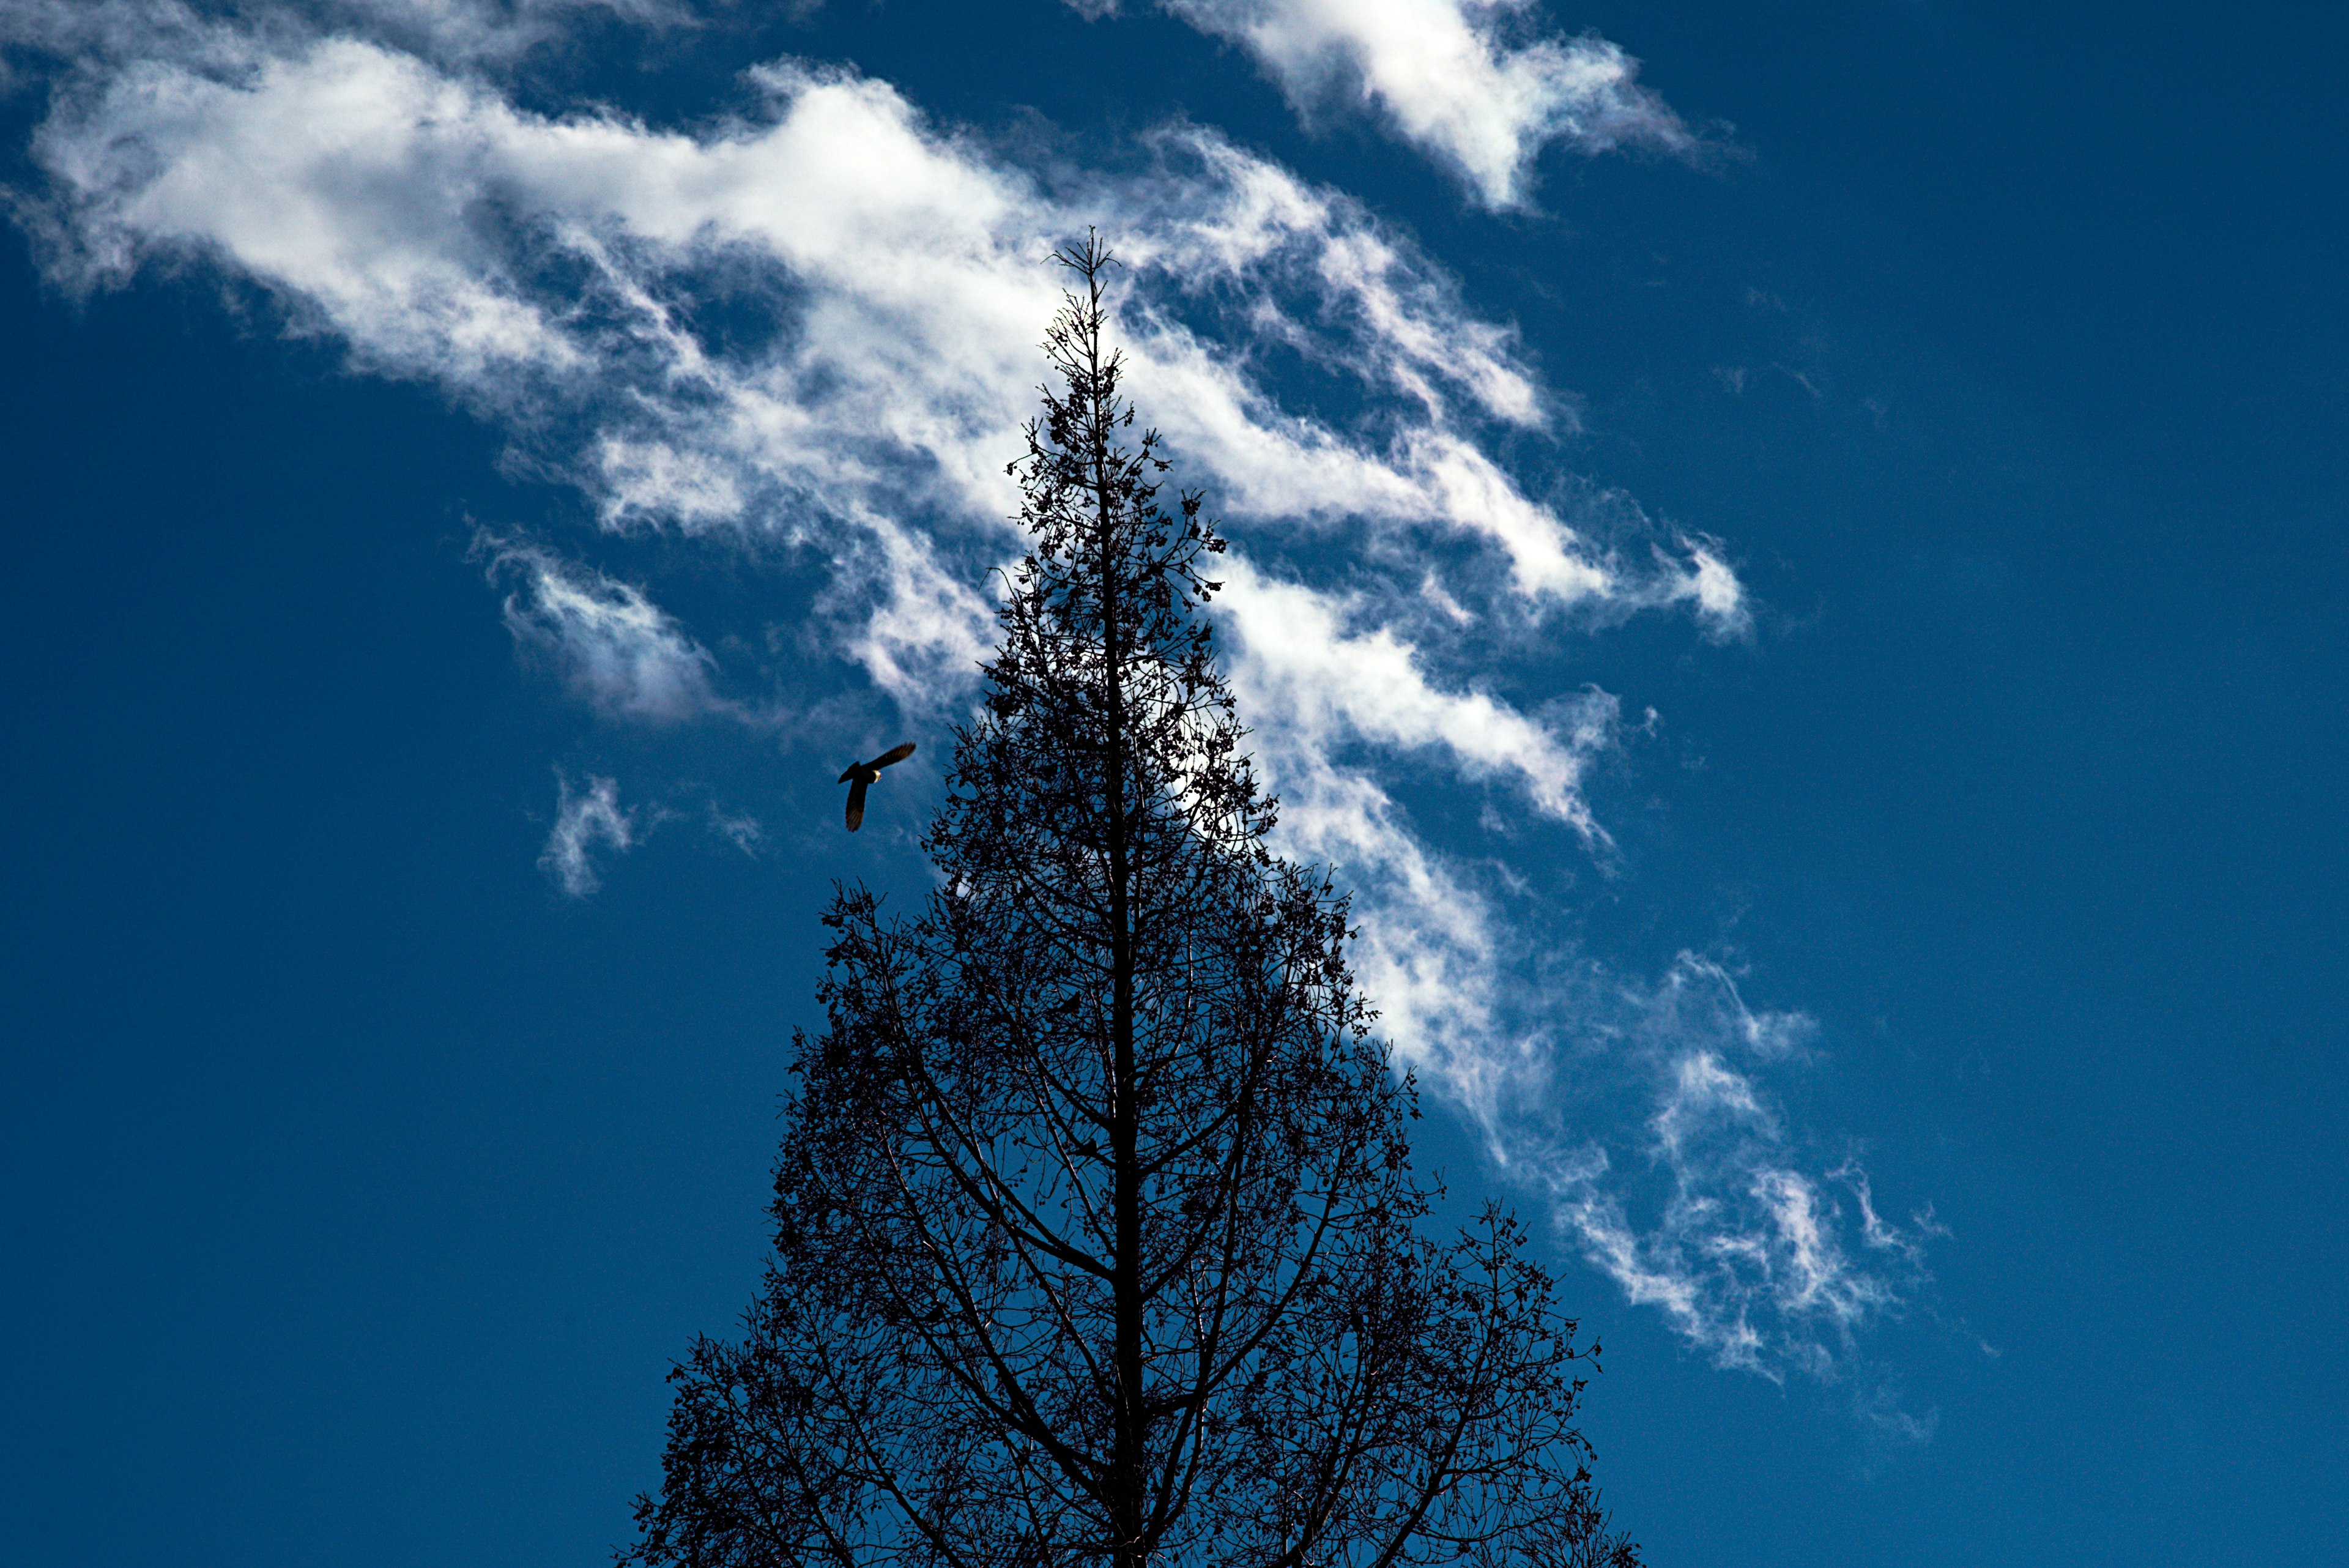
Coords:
pixel 860 775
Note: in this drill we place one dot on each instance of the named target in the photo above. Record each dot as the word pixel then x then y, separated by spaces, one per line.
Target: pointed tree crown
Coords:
pixel 1096 1236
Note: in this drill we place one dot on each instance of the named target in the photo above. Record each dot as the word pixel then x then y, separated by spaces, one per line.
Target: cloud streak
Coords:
pixel 1710 1208
pixel 1462 80
pixel 617 649
pixel 556 274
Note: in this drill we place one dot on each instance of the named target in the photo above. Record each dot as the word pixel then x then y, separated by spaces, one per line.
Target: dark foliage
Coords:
pixel 1097 1241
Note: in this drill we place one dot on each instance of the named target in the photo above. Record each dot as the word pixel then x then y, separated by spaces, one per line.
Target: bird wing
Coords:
pixel 893 754
pixel 855 806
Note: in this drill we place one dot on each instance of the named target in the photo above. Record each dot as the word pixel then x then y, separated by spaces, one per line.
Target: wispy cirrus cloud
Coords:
pixel 1710 1211
pixel 1297 658
pixel 585 819
pixel 1468 82
pixel 616 648
pixel 551 273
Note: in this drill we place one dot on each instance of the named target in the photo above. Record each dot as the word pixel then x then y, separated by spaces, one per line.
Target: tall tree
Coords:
pixel 1096 1236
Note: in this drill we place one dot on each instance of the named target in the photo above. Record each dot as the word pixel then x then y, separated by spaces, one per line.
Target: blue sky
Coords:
pixel 1793 556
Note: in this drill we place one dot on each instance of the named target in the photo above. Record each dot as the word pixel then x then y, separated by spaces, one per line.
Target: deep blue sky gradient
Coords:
pixel 359 1187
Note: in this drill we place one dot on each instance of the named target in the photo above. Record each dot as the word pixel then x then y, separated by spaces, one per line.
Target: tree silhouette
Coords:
pixel 1096 1236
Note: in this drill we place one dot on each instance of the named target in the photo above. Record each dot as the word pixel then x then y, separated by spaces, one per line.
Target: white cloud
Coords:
pixel 1446 76
pixel 1713 588
pixel 449 31
pixel 1704 1210
pixel 920 632
pixel 738 829
pixel 1294 658
pixel 583 819
pixel 1434 954
pixel 534 266
pixel 620 650
pixel 547 272
pixel 1751 1257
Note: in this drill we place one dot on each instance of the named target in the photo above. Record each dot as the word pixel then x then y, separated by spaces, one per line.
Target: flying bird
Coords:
pixel 860 775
